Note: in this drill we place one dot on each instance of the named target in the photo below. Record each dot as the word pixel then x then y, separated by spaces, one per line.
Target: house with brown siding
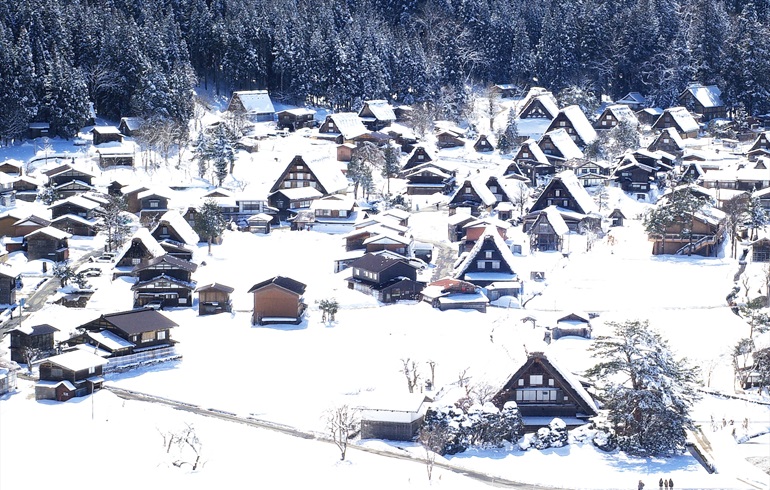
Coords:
pixel 705 100
pixel 544 390
pixel 386 278
pixel 71 374
pixel 278 300
pixel 38 337
pixel 167 279
pixel 47 243
pixel 214 298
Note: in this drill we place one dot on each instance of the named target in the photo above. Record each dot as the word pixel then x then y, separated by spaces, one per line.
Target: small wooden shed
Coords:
pixel 214 298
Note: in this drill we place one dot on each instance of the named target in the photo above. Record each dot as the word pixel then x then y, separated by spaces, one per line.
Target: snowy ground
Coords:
pixel 292 374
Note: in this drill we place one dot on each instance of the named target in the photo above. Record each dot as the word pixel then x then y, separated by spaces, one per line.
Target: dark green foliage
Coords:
pixel 209 222
pixel 647 392
pixel 476 427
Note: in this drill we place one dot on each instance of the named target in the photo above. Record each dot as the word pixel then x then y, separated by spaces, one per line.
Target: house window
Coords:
pixel 495 264
pixel 91 370
pixel 562 123
pixel 182 301
pixel 665 140
pixel 493 188
pixel 468 190
pixel 420 157
pixel 521 382
pixel 135 261
pixel 287 184
pixel 481 264
pixel 162 335
pixel 300 167
pixel 148 336
pixel 56 373
pixel 134 338
pixel 550 382
pixel 488 254
pixel 279 203
pixel 557 192
pixel 604 123
pixel 525 155
pixel 154 203
pixel 565 203
pixel 535 379
pixel 164 230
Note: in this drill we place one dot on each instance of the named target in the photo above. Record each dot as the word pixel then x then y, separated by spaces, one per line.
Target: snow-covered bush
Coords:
pixel 479 426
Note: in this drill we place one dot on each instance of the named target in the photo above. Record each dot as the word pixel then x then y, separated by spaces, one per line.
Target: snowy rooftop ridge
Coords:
pixel 490 233
pixel 580 123
pixel 564 143
pixel 578 192
pixel 181 226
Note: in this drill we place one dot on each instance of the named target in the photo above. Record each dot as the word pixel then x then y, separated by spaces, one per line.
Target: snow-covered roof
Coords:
pixel 490 233
pixel 300 111
pixel 132 123
pixel 149 242
pixel 578 192
pixel 481 189
pixel 545 98
pixel 181 226
pixel 106 130
pixel 555 219
pixel 623 113
pixel 399 214
pixel 633 98
pixel 295 193
pixel 77 360
pixel 536 153
pixel 707 95
pixel 109 340
pixel 77 201
pixel 255 101
pixel 348 124
pixel 564 143
pixel 387 236
pixel 573 381
pixel 488 221
pixel 381 110
pixel 337 203
pixel 580 123
pixel 155 191
pixel 50 231
pixel 75 217
pixel 683 119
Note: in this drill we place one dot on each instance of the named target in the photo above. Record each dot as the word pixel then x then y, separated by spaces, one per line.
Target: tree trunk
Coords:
pixel 209 242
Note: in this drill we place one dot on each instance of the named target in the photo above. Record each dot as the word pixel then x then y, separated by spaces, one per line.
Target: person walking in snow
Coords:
pixel 670 484
pixel 665 483
pixel 660 483
pixel 641 485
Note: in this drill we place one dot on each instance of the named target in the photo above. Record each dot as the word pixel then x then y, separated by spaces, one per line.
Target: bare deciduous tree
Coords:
pixel 410 372
pixel 433 439
pixel 482 392
pixel 342 424
pixel 187 444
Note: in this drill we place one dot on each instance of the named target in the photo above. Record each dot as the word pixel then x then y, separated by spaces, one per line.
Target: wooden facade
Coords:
pixel 71 374
pixel 40 337
pixel 166 279
pixel 418 157
pixel 278 300
pixel 9 283
pixel 298 174
pixel 47 243
pixel 143 328
pixel 388 279
pixel 543 390
pixel 106 134
pixel 483 144
pixel 214 298
pixel 294 119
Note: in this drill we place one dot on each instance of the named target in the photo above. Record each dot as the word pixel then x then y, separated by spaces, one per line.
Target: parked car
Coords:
pixel 105 257
pixel 91 272
pixel 155 305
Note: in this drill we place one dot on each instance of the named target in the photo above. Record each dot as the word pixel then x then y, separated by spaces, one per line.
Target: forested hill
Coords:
pixel 142 57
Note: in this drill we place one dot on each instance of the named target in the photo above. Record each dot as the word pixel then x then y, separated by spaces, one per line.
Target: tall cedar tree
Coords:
pixel 647 392
pixel 209 222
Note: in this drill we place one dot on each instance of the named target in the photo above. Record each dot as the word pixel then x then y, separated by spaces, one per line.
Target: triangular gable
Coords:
pixel 567 181
pixel 490 237
pixel 563 379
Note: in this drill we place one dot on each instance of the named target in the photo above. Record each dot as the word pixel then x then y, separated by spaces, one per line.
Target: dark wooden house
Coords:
pixel 106 134
pixel 75 205
pixel 71 374
pixel 558 147
pixel 428 179
pixel 700 237
pixel 172 226
pixel 130 126
pixel 387 279
pixel 291 201
pixel 760 146
pixel 489 261
pixel 26 188
pixel 565 191
pixel 377 114
pixel 25 226
pixel 543 390
pixel 539 105
pixel 152 204
pixel 633 100
pixel 418 157
pixel 10 281
pixel 294 119
pixel 483 144
pixel 299 173
pixel 141 247
pixel 395 418
pixel 62 175
pixel 448 138
pixel 547 230
pixel 473 194
pixel 612 115
pixel 633 176
pixel 254 105
pixel 75 225
pixel 680 119
pixel 576 124
pixel 166 279
pixel 38 337
pixel 278 300
pixel 617 217
pixel 48 243
pixel 342 127
pixel 705 100
pixel 214 298
pixel 649 115
pixel 669 141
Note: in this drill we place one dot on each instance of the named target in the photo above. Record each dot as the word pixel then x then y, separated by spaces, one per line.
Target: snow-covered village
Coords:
pixel 221 275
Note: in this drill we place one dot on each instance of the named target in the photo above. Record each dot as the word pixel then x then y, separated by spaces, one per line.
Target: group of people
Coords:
pixel 662 483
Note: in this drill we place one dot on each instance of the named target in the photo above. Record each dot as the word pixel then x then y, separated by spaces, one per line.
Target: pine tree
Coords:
pixel 647 392
pixel 390 164
pixel 222 154
pixel 507 140
pixel 209 222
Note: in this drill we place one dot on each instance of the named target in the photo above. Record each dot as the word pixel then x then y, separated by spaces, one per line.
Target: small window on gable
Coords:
pixel 550 382
pixel 521 382
pixel 488 254
pixel 557 192
pixel 535 379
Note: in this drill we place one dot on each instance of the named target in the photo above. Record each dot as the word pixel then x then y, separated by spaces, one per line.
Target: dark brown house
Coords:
pixel 680 119
pixel 294 119
pixel 166 279
pixel 9 283
pixel 278 300
pixel 761 146
pixel 299 174
pixel 47 243
pixel 106 134
pixel 141 247
pixel 575 123
pixel 72 374
pixel 38 337
pixel 705 100
pixel 387 279
pixel 449 139
pixel 417 158
pixel 214 298
pixel 26 188
pixel 565 191
pixel 489 261
pixel 428 179
pixel 472 194
pixel 483 144
pixel 544 390
pixel 75 205
pixel 539 105
pixel 151 204
pixel 669 141
pixel 64 174
pixel 75 225
pixel 377 114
